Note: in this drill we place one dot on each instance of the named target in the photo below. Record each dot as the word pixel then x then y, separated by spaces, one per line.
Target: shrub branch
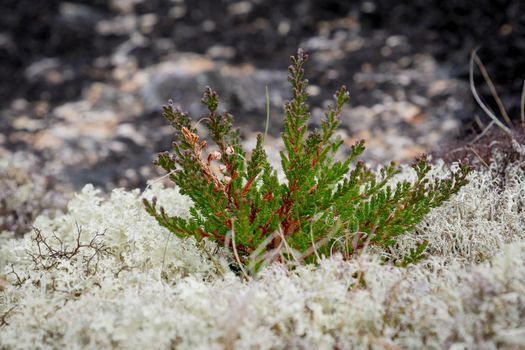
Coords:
pixel 323 203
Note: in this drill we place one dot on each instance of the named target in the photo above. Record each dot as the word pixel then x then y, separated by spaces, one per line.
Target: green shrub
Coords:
pixel 323 206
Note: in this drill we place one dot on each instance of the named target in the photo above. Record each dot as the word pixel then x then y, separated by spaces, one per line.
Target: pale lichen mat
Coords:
pixel 106 275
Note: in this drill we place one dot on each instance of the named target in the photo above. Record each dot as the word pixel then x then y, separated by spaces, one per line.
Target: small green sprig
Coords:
pixel 324 205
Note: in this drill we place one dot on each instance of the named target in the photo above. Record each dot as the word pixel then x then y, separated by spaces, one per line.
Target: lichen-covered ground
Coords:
pixel 81 89
pixel 132 285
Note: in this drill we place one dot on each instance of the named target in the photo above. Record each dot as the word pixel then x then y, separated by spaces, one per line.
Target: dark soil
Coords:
pixel 73 92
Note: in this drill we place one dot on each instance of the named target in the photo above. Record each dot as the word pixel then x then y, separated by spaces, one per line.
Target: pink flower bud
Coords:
pixel 215 155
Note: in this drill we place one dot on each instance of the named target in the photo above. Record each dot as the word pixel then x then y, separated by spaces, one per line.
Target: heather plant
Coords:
pixel 323 206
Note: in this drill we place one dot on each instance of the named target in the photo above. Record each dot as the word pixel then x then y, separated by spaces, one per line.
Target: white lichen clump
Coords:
pixel 128 283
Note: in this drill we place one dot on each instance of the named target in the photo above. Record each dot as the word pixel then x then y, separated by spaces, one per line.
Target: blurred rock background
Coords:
pixel 82 82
